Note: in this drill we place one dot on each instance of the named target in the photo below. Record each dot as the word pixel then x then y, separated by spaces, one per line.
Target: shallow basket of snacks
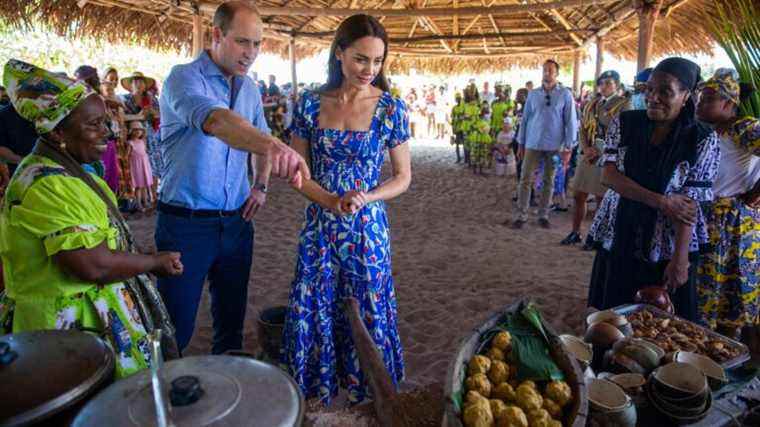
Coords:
pixel 513 371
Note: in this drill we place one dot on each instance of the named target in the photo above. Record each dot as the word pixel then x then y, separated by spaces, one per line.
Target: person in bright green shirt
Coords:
pixel 499 110
pixel 68 262
pixel 480 142
pixel 457 118
pixel 472 109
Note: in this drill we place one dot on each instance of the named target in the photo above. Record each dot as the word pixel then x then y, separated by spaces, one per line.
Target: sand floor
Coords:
pixel 454 264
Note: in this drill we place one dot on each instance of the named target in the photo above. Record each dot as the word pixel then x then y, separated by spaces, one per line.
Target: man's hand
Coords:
pixel 168 264
pixel 680 208
pixel 256 200
pixel 288 164
pixel 5 177
pixel 565 155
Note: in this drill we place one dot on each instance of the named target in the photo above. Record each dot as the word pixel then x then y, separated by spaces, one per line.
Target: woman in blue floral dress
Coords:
pixel 344 249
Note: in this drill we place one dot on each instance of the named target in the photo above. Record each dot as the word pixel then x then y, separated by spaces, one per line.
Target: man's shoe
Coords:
pixel 518 224
pixel 572 239
pixel 544 223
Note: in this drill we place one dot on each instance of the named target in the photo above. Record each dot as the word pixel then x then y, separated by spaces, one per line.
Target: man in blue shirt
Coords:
pixel 549 126
pixel 211 119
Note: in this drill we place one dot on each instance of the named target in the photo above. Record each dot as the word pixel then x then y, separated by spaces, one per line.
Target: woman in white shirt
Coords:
pixel 728 281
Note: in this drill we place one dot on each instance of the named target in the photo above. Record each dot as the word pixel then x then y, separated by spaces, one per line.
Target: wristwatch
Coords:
pixel 261 187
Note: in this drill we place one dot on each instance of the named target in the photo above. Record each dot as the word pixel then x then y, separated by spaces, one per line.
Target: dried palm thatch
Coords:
pixel 446 36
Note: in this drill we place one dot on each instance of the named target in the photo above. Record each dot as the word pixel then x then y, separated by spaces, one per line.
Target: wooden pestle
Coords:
pixel 373 367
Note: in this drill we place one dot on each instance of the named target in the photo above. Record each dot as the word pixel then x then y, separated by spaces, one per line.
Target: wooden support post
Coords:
pixel 198 34
pixel 599 57
pixel 293 74
pixel 577 73
pixel 648 10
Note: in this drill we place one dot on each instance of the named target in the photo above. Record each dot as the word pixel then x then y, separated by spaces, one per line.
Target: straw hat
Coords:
pixel 126 82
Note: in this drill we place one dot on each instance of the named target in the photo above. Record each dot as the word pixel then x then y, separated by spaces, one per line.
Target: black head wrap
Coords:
pixel 684 70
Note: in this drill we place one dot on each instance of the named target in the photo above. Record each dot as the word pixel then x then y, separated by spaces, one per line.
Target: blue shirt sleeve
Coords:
pixel 399 117
pixel 302 124
pixel 571 121
pixel 185 94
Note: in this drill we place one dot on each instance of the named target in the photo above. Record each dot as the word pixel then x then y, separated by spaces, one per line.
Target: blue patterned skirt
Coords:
pixel 340 258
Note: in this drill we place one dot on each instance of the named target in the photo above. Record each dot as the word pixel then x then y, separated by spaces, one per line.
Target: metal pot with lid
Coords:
pixel 44 373
pixel 198 391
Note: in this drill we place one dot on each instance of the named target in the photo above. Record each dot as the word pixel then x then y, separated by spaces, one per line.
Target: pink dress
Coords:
pixel 139 162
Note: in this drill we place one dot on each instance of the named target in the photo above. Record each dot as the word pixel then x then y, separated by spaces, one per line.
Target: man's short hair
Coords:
pixel 226 11
pixel 551 61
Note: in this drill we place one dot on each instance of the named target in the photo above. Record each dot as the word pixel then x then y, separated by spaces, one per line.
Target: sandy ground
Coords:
pixel 453 263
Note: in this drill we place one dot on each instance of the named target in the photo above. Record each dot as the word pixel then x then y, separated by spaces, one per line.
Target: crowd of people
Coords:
pixel 677 185
pixel 673 168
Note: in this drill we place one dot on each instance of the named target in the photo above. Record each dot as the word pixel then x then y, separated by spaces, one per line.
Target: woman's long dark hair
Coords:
pixel 350 30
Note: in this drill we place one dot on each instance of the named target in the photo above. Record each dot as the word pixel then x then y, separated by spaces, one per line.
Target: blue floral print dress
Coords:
pixel 339 257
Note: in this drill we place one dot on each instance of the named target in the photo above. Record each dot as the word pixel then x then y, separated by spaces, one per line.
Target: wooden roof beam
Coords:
pixel 617 18
pixel 433 11
pixel 493 24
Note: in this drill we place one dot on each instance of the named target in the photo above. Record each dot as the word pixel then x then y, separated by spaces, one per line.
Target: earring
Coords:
pixel 62 146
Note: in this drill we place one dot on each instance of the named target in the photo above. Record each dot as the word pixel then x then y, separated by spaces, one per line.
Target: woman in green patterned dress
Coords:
pixel 67 253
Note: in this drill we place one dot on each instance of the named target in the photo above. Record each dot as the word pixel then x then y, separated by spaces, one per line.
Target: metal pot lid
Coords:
pixel 44 372
pixel 204 391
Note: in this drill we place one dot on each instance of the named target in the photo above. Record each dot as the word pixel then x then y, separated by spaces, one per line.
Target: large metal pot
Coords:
pixel 45 373
pixel 199 391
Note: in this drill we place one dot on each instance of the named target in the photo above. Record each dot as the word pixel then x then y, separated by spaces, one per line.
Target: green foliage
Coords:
pixel 737 29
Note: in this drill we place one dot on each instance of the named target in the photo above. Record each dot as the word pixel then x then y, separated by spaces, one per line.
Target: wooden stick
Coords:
pixel 433 11
pixel 372 365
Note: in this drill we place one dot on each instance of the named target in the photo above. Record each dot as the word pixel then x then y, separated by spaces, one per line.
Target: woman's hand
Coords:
pixel 335 205
pixel 680 208
pixel 353 201
pixel 168 264
pixel 591 154
pixel 676 274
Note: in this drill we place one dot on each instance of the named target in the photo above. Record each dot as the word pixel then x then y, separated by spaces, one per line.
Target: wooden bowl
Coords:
pixel 679 383
pixel 716 375
pixel 582 351
pixel 603 335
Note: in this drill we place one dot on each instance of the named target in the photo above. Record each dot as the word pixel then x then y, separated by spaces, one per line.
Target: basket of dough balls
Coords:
pixel 514 372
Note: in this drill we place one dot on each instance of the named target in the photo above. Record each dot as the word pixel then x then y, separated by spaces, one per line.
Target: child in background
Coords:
pixel 139 162
pixel 481 141
pixel 503 147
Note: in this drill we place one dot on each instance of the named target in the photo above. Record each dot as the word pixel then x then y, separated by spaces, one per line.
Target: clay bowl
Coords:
pixel 716 375
pixel 609 405
pixel 619 363
pixel 581 351
pixel 640 351
pixel 680 384
pixel 679 414
pixel 606 396
pixel 608 316
pixel 603 335
pixel 630 383
pixel 652 346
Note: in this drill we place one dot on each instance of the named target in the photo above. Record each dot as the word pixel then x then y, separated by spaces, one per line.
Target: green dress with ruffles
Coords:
pixel 46 211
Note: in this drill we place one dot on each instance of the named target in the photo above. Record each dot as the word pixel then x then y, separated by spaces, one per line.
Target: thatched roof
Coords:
pixel 428 35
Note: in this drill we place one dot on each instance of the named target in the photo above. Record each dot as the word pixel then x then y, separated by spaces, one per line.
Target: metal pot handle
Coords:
pixel 163 410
